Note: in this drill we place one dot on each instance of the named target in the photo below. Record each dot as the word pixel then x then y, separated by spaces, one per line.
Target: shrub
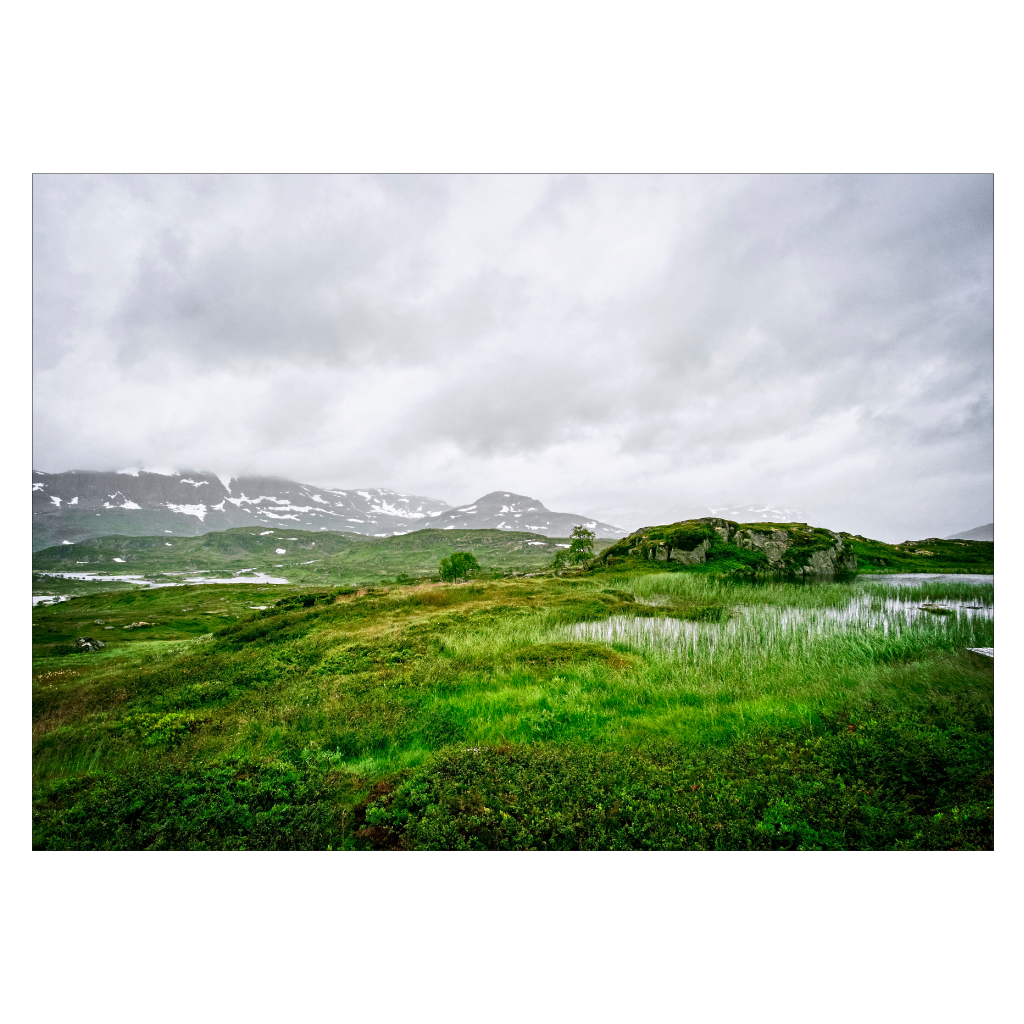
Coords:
pixel 457 565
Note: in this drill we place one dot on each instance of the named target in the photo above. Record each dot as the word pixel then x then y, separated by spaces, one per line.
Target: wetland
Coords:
pixel 614 707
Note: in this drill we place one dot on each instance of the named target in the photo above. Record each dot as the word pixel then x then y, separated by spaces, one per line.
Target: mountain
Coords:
pixel 986 532
pixel 78 505
pixel 503 510
pixel 759 514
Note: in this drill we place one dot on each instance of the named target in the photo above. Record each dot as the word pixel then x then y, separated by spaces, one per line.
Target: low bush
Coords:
pixel 881 783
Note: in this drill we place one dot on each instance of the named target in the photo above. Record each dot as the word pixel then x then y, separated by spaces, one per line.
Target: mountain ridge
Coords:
pixel 82 504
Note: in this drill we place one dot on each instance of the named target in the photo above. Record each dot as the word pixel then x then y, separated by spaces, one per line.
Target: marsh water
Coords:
pixel 956 610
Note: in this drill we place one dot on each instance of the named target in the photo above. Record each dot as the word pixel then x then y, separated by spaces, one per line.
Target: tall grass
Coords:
pixel 693 587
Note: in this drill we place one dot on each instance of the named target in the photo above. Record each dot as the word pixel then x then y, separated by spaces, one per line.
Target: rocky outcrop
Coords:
pixel 794 548
pixel 86 643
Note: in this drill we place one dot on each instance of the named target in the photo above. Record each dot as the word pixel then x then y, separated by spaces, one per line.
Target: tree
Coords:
pixel 457 565
pixel 581 545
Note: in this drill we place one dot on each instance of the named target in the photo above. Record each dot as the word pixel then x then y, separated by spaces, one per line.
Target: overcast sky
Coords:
pixel 634 348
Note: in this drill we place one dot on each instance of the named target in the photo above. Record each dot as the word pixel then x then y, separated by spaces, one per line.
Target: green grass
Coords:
pixel 478 716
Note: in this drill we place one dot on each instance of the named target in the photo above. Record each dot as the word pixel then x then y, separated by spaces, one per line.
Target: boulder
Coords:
pixel 86 643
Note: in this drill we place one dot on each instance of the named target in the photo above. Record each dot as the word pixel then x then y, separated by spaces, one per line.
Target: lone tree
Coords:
pixel 581 545
pixel 457 565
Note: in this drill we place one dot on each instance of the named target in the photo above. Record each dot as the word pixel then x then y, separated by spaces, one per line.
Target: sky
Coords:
pixel 635 348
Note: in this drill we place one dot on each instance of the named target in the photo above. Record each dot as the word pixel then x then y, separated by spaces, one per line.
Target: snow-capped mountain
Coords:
pixel 503 510
pixel 757 514
pixel 67 507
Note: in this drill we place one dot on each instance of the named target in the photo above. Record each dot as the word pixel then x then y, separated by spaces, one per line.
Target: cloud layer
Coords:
pixel 631 347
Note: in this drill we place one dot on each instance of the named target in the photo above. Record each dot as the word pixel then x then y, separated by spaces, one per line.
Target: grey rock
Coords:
pixel 86 643
pixel 773 543
pixel 698 556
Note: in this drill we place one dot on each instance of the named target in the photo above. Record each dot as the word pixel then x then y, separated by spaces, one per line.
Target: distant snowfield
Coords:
pixel 89 577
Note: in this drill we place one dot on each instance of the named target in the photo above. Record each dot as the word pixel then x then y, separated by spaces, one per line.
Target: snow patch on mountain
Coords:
pixel 199 511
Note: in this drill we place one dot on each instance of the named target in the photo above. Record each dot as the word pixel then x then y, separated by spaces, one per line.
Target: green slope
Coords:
pixel 931 555
pixel 323 557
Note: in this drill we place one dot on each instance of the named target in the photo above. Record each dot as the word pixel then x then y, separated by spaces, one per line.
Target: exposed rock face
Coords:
pixel 773 543
pixel 695 557
pixel 831 561
pixel 820 562
pixel 86 643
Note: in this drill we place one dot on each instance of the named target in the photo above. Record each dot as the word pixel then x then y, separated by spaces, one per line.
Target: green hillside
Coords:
pixel 321 558
pixel 931 555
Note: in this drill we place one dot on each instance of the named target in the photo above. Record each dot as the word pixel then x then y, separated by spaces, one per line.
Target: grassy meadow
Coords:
pixel 617 709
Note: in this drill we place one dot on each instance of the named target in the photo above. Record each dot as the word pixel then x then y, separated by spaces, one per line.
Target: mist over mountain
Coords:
pixel 986 532
pixel 77 505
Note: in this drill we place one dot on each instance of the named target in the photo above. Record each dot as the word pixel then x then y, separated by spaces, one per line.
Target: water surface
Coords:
pixel 891 608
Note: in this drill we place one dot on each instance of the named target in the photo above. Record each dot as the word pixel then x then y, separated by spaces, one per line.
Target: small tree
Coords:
pixel 581 545
pixel 457 565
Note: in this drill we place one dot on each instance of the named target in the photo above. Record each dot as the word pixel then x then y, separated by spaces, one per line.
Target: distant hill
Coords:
pixel 78 505
pixel 986 532
pixel 301 556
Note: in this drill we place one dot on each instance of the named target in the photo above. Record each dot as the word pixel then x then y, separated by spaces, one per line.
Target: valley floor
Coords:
pixel 616 710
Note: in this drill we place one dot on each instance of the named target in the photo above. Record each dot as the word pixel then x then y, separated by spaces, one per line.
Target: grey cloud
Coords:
pixel 581 338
